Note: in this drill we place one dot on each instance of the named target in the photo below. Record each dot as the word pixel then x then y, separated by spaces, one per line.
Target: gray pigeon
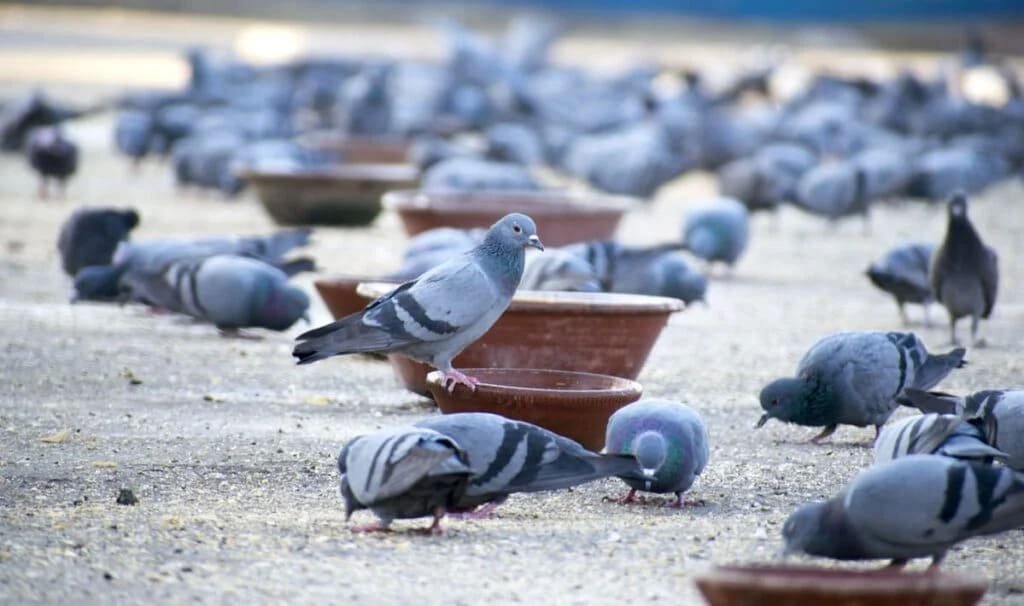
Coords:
pixel 854 378
pixel 942 434
pixel 474 174
pixel 914 507
pixel 903 273
pixel 53 156
pixel 91 235
pixel 717 231
pixel 434 247
pixel 653 270
pixel 559 270
pixel 508 456
pixel 228 291
pixel 434 317
pixel 834 190
pixel 768 178
pixel 998 413
pixel 669 441
pixel 965 272
pixel 406 472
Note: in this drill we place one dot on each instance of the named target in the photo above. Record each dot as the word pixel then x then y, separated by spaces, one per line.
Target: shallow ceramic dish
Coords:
pixel 574 404
pixel 806 586
pixel 562 217
pixel 605 333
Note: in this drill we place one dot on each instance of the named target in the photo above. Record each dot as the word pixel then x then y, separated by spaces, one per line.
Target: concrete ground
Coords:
pixel 230 448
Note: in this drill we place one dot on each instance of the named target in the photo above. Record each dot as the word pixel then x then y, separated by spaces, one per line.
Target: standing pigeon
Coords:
pixel 669 441
pixel 52 156
pixel 508 456
pixel 854 378
pixel 91 235
pixel 435 316
pixel 998 413
pixel 903 273
pixel 228 291
pixel 942 434
pixel 914 507
pixel 965 272
pixel 718 231
pixel 407 472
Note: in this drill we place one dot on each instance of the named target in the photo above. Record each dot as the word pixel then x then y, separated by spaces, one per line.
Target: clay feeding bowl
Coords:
pixel 604 333
pixel 574 404
pixel 807 586
pixel 561 217
pixel 346 194
pixel 340 296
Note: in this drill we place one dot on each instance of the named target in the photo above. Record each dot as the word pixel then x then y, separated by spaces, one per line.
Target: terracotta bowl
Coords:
pixel 340 296
pixel 574 404
pixel 346 194
pixel 799 586
pixel 602 333
pixel 562 217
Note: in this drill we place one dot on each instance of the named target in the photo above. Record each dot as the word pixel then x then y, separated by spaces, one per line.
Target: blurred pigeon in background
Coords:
pixel 918 506
pixel 834 190
pixel 472 174
pixel 53 157
pixel 406 472
pixel 91 235
pixel 717 231
pixel 435 316
pixel 964 273
pixel 508 456
pixel 669 441
pixel 854 378
pixel 903 273
pixel 655 270
pixel 559 270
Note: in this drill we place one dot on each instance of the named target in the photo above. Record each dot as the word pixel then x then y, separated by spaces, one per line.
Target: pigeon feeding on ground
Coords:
pixel 508 456
pixel 964 273
pixel 407 472
pixel 914 507
pixel 941 434
pixel 717 231
pixel 998 413
pixel 228 291
pixel 903 273
pixel 434 317
pixel 854 378
pixel 91 235
pixel 53 157
pixel 669 441
pixel 652 270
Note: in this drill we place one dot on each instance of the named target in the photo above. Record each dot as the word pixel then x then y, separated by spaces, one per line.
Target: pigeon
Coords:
pixel 53 156
pixel 228 291
pixel 474 174
pixel 91 235
pixel 654 270
pixel 433 247
pixel 149 258
pixel 717 231
pixel 903 273
pixel 434 317
pixel 913 507
pixel 507 456
pixel 768 178
pixel 942 172
pixel 406 472
pixel 998 413
pixel 854 378
pixel 834 190
pixel 964 273
pixel 559 270
pixel 932 433
pixel 669 441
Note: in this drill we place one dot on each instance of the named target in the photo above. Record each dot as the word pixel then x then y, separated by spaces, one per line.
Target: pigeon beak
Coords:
pixel 535 242
pixel 760 422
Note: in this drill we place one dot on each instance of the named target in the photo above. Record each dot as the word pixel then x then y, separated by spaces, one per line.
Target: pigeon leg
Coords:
pixel 896 565
pixel 679 502
pixel 927 314
pixel 974 333
pixel 435 528
pixel 903 313
pixel 952 332
pixel 451 378
pixel 829 430
pixel 933 568
pixel 629 498
pixel 480 513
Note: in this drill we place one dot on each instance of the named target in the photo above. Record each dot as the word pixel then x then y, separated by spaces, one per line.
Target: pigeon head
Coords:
pixel 280 305
pixel 681 282
pixel 784 399
pixel 130 219
pixel 650 451
pixel 97 283
pixel 802 531
pixel 958 206
pixel 514 232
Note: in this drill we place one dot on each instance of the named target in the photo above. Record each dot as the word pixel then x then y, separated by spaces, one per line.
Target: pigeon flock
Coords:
pixel 499 114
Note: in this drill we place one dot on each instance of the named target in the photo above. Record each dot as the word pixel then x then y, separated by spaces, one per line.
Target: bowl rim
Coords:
pixel 331 139
pixel 559 202
pixel 842 581
pixel 378 171
pixel 610 303
pixel 621 386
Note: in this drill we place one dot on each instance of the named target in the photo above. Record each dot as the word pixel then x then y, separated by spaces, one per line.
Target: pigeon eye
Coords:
pixel 775 402
pixel 516 228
